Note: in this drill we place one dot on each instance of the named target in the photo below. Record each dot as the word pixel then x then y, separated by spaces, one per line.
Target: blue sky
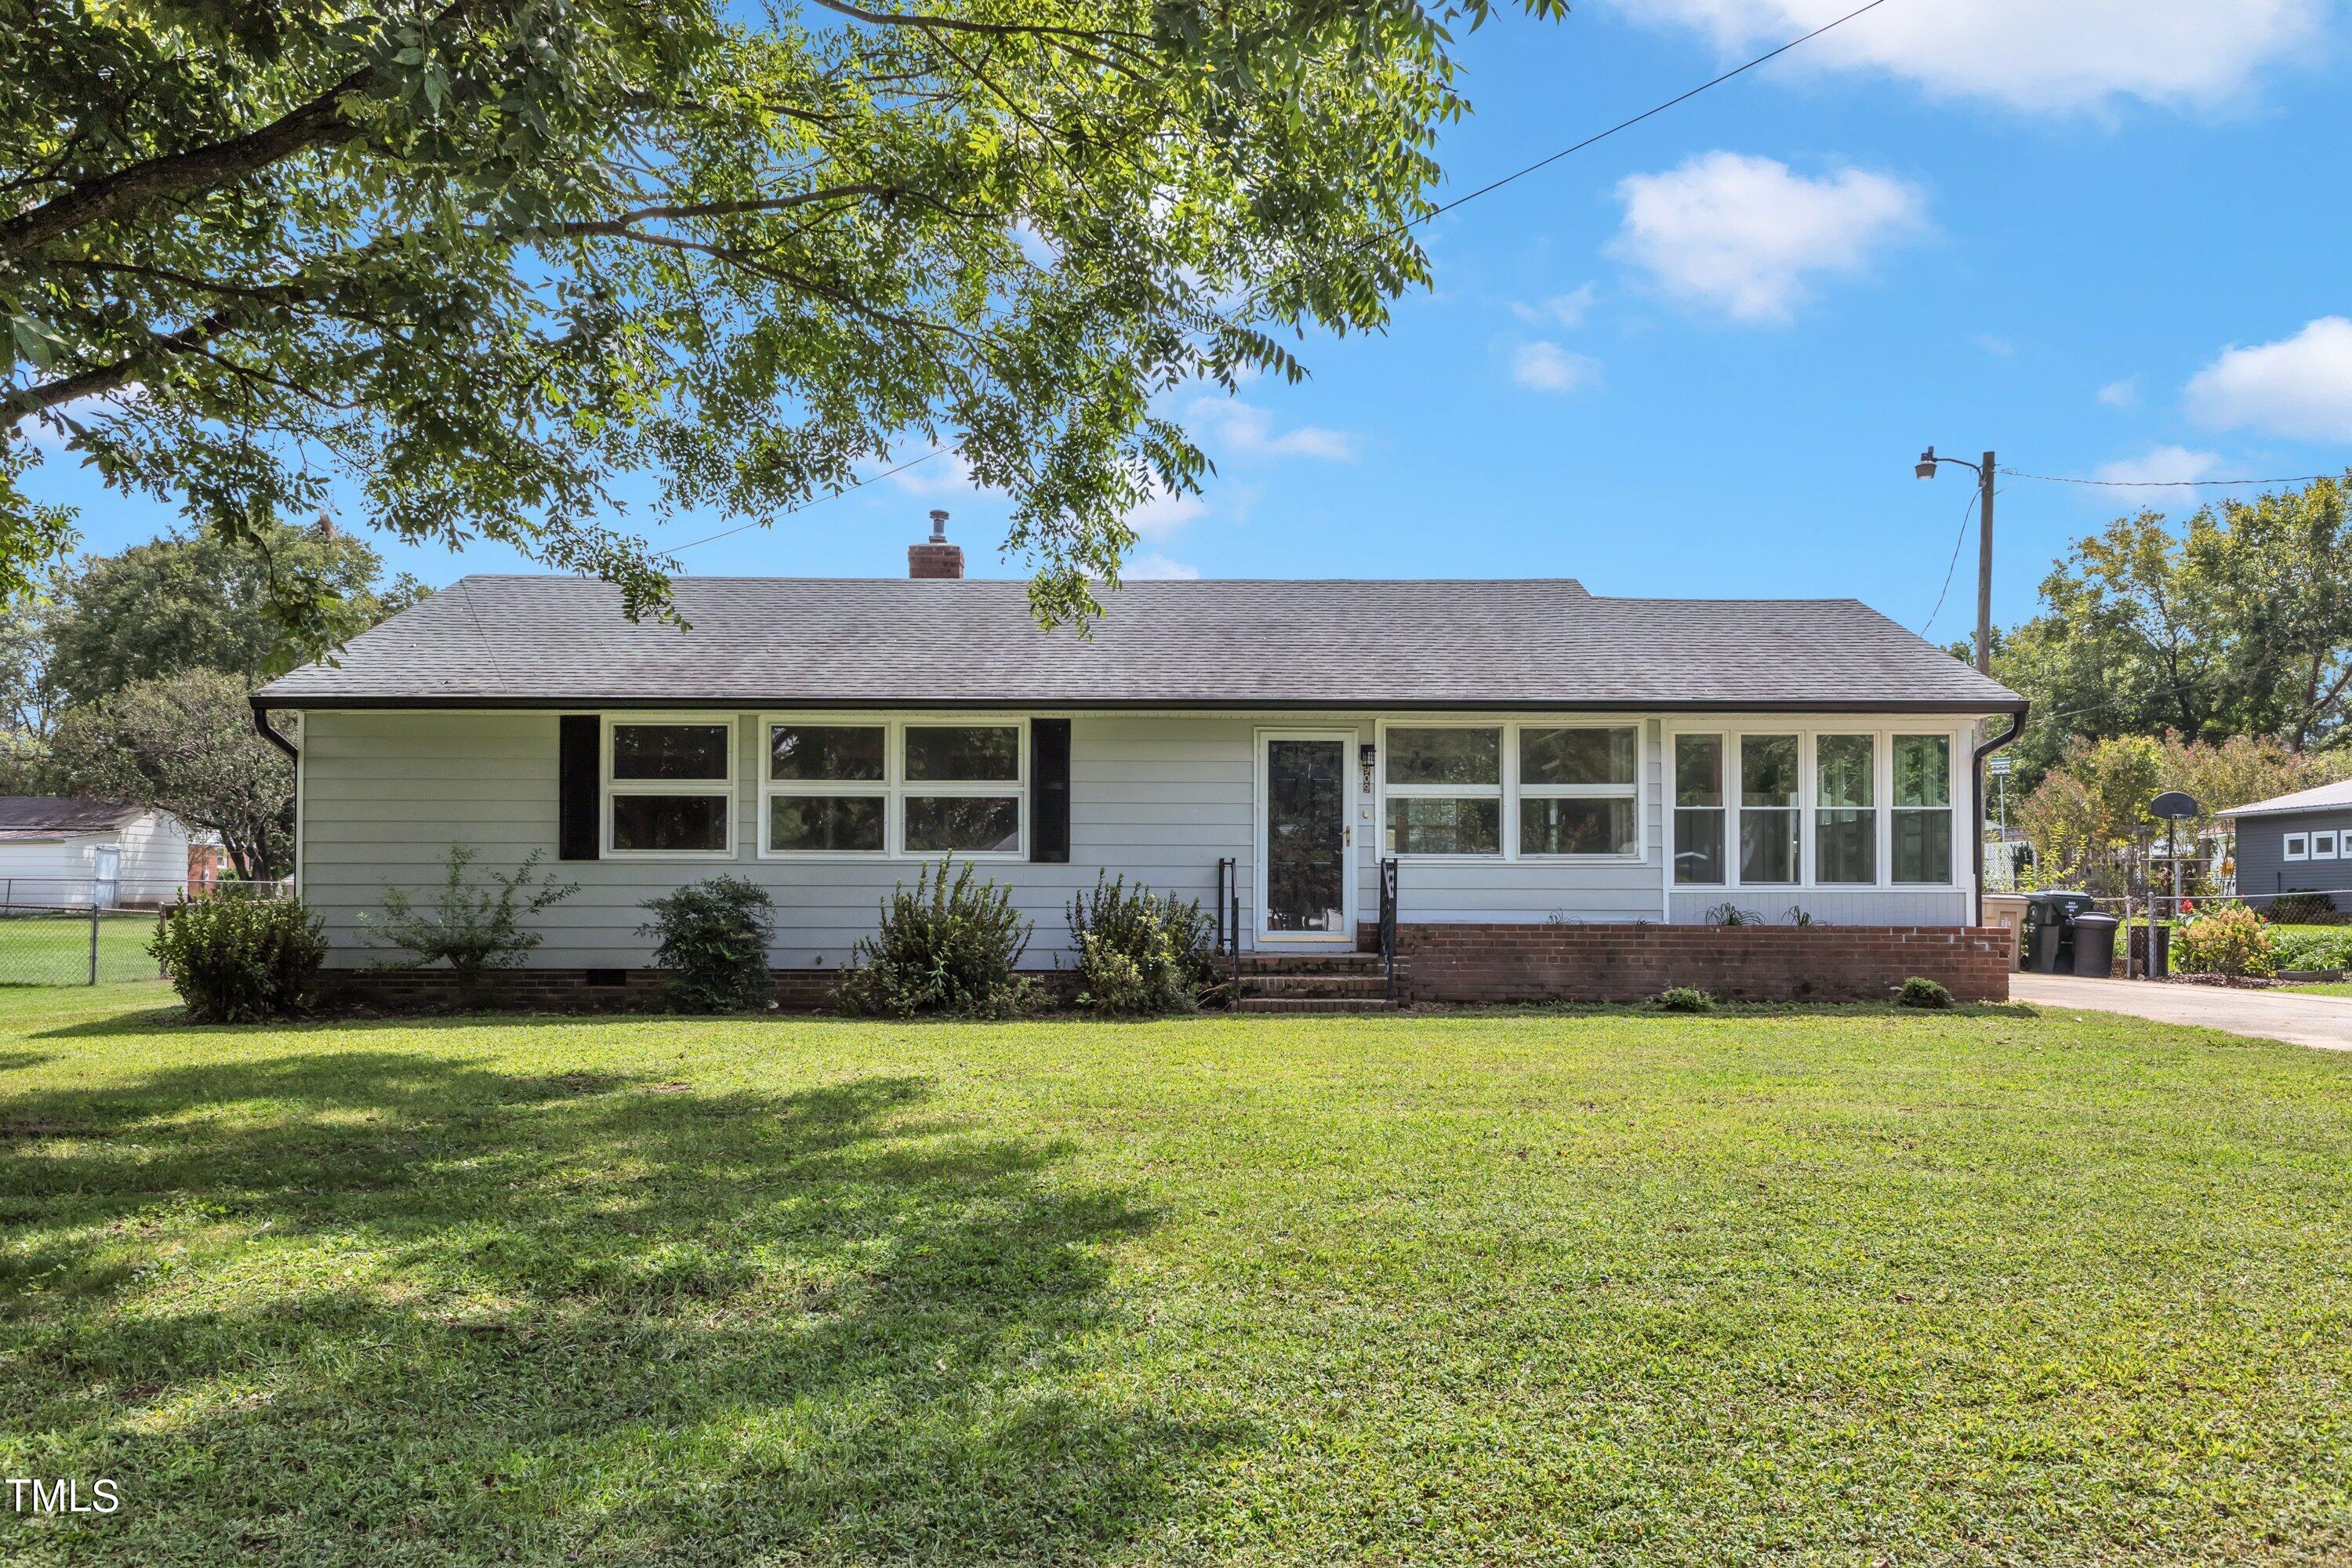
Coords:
pixel 2105 237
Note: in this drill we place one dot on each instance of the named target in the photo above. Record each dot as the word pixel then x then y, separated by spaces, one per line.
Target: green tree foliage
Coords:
pixel 2088 820
pixel 200 604
pixel 476 260
pixel 2241 624
pixel 185 743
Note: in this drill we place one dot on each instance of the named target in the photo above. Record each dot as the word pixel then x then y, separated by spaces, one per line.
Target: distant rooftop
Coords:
pixel 557 641
pixel 2322 798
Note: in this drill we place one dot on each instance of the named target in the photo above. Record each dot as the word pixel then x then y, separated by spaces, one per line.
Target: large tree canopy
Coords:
pixel 479 259
pixel 2239 624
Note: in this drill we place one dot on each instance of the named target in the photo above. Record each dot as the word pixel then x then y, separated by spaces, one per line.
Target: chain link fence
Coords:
pixel 58 930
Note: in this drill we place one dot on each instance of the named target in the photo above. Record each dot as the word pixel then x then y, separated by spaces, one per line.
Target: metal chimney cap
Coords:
pixel 938 526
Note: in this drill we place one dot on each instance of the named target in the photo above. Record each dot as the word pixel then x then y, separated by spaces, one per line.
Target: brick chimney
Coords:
pixel 935 557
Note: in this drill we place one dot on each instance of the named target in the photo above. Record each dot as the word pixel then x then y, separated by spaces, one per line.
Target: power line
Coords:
pixel 2165 484
pixel 1493 185
pixel 817 501
pixel 1955 565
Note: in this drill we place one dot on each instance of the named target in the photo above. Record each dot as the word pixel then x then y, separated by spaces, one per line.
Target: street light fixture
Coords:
pixel 1925 469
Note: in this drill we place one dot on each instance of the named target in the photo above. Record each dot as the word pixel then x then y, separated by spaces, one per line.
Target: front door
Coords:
pixel 1306 881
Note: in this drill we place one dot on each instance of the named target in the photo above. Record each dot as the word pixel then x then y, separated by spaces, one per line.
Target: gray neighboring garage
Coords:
pixel 2296 843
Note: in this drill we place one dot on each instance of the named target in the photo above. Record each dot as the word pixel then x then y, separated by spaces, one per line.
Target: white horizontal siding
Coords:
pixel 1828 906
pixel 1157 798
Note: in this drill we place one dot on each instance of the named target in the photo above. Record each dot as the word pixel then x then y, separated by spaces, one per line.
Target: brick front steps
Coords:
pixel 1313 983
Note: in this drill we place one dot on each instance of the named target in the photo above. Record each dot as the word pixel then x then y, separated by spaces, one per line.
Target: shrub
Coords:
pixel 235 960
pixel 946 947
pixel 472 929
pixel 1921 992
pixel 1141 951
pixel 1729 914
pixel 1685 998
pixel 2311 947
pixel 2302 907
pixel 713 939
pixel 2233 942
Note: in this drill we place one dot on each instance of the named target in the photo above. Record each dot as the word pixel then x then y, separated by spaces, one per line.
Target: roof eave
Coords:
pixel 263 700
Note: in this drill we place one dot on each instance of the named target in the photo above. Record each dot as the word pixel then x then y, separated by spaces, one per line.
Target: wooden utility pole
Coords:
pixel 1984 565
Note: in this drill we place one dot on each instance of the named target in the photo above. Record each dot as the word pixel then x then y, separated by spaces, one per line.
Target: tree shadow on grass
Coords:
pixel 334 1306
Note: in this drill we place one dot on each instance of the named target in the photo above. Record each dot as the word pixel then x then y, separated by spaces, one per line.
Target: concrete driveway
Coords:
pixel 2321 1021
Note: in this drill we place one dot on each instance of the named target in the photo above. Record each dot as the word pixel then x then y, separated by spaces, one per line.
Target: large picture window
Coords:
pixel 1445 790
pixel 1923 808
pixel 1768 808
pixel 840 786
pixel 1580 790
pixel 670 787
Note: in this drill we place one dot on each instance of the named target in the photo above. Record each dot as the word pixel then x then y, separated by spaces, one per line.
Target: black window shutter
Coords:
pixel 1049 790
pixel 579 773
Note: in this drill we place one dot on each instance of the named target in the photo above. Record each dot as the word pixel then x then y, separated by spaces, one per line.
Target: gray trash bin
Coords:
pixel 2047 935
pixel 2095 944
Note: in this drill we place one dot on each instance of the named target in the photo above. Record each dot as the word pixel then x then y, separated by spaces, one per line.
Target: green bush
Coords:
pixel 1921 992
pixel 946 947
pixel 472 928
pixel 1141 951
pixel 236 960
pixel 1683 999
pixel 2311 947
pixel 713 939
pixel 2233 941
pixel 2300 906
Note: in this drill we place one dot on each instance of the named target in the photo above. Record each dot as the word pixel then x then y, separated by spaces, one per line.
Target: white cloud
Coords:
pixel 1165 512
pixel 1158 569
pixel 946 474
pixel 1742 235
pixel 1548 367
pixel 1566 310
pixel 2299 386
pixel 1246 430
pixel 2159 465
pixel 2120 394
pixel 2034 54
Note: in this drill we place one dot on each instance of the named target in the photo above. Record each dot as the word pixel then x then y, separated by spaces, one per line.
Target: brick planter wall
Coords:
pixel 1747 963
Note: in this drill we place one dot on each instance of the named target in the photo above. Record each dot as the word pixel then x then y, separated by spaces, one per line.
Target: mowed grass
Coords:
pixel 52 948
pixel 1831 1287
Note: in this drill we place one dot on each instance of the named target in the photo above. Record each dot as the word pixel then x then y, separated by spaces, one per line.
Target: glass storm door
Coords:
pixel 1306 837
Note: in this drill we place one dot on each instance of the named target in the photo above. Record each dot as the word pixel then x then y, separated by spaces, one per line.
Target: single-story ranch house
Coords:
pixel 1546 793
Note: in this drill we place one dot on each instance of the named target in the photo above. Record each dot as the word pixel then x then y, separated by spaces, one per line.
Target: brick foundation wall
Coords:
pixel 1747 963
pixel 545 990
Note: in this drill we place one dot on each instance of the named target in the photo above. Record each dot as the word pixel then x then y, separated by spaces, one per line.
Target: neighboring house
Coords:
pixel 1532 758
pixel 61 852
pixel 2296 843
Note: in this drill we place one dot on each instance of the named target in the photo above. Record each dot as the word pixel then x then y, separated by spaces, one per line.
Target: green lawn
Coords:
pixel 52 948
pixel 1843 1288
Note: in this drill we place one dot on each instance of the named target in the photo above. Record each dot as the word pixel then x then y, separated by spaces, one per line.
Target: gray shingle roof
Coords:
pixel 2323 798
pixel 51 813
pixel 526 641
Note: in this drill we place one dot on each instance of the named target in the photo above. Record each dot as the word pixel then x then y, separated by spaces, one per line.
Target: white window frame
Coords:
pixel 896 788
pixel 2294 847
pixel 1953 746
pixel 2323 844
pixel 1882 823
pixel 1670 797
pixel 1521 791
pixel 1736 798
pixel 1733 727
pixel 1506 765
pixel 1508 788
pixel 771 787
pixel 613 786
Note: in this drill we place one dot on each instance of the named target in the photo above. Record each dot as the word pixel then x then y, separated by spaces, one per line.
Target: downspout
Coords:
pixel 1977 776
pixel 270 734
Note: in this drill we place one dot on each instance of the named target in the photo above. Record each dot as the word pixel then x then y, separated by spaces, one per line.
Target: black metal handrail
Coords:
pixel 1389 921
pixel 1229 914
